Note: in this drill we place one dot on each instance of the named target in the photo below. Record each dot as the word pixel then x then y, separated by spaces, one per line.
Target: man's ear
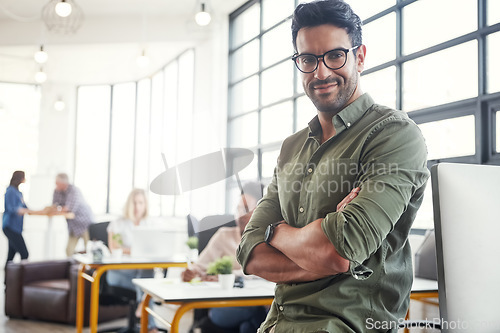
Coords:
pixel 360 58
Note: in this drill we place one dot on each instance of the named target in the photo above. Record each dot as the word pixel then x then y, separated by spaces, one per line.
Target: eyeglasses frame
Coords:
pixel 346 51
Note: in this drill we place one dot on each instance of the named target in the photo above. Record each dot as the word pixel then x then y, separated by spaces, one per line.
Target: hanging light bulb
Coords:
pixel 142 60
pixel 202 17
pixel 40 76
pixel 59 105
pixel 41 56
pixel 63 8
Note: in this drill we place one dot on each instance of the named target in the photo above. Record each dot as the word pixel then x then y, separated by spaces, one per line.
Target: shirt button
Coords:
pixel 348 125
pixel 301 209
pixel 310 170
pixel 281 307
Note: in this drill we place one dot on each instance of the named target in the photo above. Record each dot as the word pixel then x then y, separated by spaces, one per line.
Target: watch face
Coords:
pixel 268 234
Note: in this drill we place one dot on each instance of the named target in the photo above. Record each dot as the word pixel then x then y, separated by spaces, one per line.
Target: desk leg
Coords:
pixel 144 314
pixel 94 299
pixel 80 299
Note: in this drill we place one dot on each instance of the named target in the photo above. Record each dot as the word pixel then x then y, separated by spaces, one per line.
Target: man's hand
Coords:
pixel 348 199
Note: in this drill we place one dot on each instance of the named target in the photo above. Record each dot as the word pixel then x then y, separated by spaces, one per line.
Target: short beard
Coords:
pixel 340 102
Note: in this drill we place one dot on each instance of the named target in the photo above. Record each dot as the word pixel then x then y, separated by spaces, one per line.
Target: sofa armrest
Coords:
pixel 13 290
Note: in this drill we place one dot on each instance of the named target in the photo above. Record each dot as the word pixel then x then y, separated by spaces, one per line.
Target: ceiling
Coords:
pixel 113 34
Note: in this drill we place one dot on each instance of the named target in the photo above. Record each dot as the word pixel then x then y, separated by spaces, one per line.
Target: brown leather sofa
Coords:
pixel 46 290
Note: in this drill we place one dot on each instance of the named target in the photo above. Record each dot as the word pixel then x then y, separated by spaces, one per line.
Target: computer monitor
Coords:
pixel 466 201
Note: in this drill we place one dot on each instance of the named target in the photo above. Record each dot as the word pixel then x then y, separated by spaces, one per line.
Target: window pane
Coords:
pixel 493 46
pixel 380 39
pixel 245 26
pixel 425 214
pixel 245 61
pixel 276 123
pixel 381 85
pixel 184 121
pixel 92 145
pixel 245 96
pixel 276 44
pixel 274 11
pixel 305 112
pixel 244 131
pixel 497 115
pixel 274 83
pixel 155 144
pixel 122 145
pixel 424 85
pixel 417 36
pixel 19 136
pixel 142 135
pixel 170 128
pixel 269 161
pixel 368 8
pixel 493 12
pixel 450 137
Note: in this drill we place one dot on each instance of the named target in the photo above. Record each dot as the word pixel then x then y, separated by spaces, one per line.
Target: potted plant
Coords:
pixel 118 252
pixel 223 267
pixel 192 243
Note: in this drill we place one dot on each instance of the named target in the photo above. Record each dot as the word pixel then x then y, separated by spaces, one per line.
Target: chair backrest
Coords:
pixel 425 258
pixel 98 231
pixel 193 225
pixel 209 225
pixel 466 201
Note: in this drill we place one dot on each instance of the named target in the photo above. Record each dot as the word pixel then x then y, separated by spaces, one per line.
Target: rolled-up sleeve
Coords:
pixel 392 168
pixel 268 211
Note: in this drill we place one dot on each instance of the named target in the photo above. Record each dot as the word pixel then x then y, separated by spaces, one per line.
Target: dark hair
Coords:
pixel 334 12
pixel 17 178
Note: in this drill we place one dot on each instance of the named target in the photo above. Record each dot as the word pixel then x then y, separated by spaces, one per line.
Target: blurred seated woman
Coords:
pixel 120 233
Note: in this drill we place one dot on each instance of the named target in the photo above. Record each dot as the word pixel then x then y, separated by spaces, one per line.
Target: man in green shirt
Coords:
pixel 348 270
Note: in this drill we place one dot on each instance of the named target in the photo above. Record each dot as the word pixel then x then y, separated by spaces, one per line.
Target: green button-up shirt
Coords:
pixel 382 151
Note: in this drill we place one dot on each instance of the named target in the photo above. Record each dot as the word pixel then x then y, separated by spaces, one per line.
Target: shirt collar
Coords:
pixel 345 118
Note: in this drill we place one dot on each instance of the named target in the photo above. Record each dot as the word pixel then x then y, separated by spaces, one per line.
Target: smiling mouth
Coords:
pixel 325 87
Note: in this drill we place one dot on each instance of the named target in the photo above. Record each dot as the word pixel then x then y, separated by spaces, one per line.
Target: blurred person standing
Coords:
pixel 68 198
pixel 13 217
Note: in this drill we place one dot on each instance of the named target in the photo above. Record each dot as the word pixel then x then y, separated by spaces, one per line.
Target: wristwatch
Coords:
pixel 270 231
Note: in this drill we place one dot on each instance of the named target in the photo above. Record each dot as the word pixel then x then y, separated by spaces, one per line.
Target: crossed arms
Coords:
pixel 298 254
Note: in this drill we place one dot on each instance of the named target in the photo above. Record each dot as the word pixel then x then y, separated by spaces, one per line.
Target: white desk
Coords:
pixel 107 263
pixel 209 295
pixel 200 295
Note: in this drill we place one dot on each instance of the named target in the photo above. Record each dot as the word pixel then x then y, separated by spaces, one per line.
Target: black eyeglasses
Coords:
pixel 333 59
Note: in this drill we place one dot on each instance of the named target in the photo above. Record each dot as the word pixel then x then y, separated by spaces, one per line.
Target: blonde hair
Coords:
pixel 128 211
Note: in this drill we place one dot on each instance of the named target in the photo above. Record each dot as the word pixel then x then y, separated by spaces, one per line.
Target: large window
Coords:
pixel 19 123
pixel 439 68
pixel 123 130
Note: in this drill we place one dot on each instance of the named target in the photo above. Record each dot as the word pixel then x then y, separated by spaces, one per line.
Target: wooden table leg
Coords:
pixel 80 299
pixel 94 299
pixel 144 313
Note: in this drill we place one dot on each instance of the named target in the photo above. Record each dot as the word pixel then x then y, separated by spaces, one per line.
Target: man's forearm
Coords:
pixel 272 265
pixel 309 248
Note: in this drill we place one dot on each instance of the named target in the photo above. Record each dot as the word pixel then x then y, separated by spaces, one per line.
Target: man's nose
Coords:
pixel 322 72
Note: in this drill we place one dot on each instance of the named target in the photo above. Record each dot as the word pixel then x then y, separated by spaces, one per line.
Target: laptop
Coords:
pixel 154 243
